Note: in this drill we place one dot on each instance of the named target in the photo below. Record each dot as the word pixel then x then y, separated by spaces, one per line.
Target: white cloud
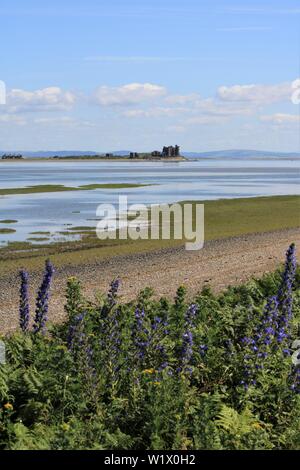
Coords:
pixel 192 106
pixel 46 99
pixel 178 129
pixel 159 111
pixel 204 120
pixel 133 93
pixel 12 119
pixel 54 120
pixel 213 107
pixel 257 94
pixel 183 99
pixel 63 121
pixel 281 118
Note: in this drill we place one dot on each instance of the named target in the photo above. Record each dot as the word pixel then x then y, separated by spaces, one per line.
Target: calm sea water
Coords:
pixel 191 180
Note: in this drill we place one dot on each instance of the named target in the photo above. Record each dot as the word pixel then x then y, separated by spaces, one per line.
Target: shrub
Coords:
pixel 222 372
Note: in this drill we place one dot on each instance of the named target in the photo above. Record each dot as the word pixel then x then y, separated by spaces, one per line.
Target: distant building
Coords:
pixel 12 157
pixel 108 155
pixel 171 152
pixel 134 155
pixel 156 153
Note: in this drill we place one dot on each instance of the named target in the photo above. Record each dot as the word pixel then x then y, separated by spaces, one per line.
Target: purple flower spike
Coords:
pixel 42 301
pixel 113 292
pixel 24 302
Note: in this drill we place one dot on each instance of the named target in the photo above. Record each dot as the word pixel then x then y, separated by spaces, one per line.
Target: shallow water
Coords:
pixel 192 180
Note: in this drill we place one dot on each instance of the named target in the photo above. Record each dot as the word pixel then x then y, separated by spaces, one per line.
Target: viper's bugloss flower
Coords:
pixel 43 299
pixel 111 343
pixel 75 330
pixel 113 291
pixel 187 351
pixel 140 333
pixel 285 298
pixel 24 313
pixel 190 314
pixel 273 328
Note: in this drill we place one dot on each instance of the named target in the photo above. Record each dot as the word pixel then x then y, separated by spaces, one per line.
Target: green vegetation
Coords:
pixel 65 233
pixel 40 233
pixel 37 239
pixel 223 218
pixel 6 231
pixel 15 247
pixel 141 157
pixel 113 186
pixel 51 188
pixel 221 373
pixel 8 221
pixel 81 229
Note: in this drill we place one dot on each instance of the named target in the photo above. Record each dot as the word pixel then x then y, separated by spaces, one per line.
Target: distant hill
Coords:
pixel 241 154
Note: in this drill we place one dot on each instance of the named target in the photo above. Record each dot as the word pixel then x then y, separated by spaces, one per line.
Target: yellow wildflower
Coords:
pixel 256 426
pixel 149 371
pixel 8 406
pixel 65 427
pixel 156 383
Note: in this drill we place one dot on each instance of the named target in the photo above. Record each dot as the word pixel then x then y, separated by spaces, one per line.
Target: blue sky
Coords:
pixel 108 75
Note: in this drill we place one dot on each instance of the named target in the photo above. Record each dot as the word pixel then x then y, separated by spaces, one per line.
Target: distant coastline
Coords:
pixel 124 155
pixel 87 158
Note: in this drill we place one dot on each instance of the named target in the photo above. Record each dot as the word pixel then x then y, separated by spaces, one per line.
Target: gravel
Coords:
pixel 219 264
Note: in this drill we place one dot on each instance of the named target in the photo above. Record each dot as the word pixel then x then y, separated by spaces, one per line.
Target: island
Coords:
pixel 168 153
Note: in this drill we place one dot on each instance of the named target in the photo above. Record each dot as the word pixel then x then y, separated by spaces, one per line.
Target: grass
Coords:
pixel 53 188
pixel 223 219
pixel 8 221
pixel 113 186
pixel 37 239
pixel 81 229
pixel 40 233
pixel 4 231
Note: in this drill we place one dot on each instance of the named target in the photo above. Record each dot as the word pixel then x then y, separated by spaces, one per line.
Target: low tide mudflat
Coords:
pixel 243 238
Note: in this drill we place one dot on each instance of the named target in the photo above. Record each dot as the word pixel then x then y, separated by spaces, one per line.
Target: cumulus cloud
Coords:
pixel 46 99
pixel 192 107
pixel 257 94
pixel 204 120
pixel 179 129
pixel 66 121
pixel 281 118
pixel 214 107
pixel 159 111
pixel 12 119
pixel 183 99
pixel 133 93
